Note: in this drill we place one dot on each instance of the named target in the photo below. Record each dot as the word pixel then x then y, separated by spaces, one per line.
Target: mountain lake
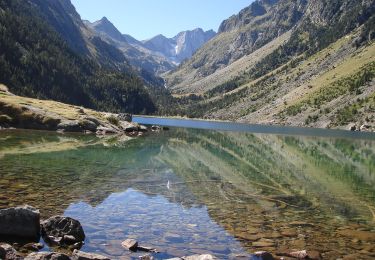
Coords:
pixel 201 187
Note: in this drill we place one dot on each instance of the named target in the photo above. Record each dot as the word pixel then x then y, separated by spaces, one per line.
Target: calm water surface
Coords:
pixel 187 191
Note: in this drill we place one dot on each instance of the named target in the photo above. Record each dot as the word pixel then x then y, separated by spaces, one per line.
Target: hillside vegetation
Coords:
pixel 35 61
pixel 304 63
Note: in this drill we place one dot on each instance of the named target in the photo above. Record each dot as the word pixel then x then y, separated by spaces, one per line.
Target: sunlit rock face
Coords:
pixel 182 46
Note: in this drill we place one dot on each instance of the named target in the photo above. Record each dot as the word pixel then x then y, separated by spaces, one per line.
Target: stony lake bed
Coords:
pixel 198 191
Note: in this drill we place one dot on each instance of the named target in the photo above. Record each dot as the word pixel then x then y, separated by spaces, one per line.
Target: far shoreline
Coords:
pixel 251 128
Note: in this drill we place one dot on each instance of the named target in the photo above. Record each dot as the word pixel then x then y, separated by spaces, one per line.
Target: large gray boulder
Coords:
pixel 47 256
pixel 20 223
pixel 62 231
pixel 79 255
pixel 129 127
pixel 88 125
pixel 70 126
pixel 105 130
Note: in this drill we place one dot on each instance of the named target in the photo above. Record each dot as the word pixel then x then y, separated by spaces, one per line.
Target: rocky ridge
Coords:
pixel 139 56
pixel 165 53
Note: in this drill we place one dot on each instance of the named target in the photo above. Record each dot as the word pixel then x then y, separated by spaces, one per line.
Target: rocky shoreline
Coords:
pixel 28 113
pixel 21 231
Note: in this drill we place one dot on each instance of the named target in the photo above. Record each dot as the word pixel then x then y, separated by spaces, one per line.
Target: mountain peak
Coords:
pixel 105 26
pixel 198 30
pixel 159 36
pixel 104 20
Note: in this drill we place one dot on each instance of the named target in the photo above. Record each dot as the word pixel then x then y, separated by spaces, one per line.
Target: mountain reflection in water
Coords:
pixel 229 193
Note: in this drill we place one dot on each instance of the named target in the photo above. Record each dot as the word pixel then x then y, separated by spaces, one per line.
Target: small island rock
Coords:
pixel 130 244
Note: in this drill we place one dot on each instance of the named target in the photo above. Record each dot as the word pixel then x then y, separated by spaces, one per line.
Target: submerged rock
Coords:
pixel 79 255
pixel 47 256
pixel 262 255
pixel 62 230
pixel 20 223
pixel 298 254
pixel 289 233
pixel 195 257
pixel 146 257
pixel 303 254
pixel 200 257
pixel 367 236
pixel 300 224
pixel 264 243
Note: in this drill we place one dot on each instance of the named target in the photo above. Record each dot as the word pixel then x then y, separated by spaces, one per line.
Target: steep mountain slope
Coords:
pixel 63 17
pixel 188 42
pixel 238 36
pixel 277 54
pixel 36 61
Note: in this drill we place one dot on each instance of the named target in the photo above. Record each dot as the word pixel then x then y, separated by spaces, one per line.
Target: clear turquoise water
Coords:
pixel 187 191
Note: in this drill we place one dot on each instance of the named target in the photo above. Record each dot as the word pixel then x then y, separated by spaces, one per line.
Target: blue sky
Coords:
pixel 144 19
